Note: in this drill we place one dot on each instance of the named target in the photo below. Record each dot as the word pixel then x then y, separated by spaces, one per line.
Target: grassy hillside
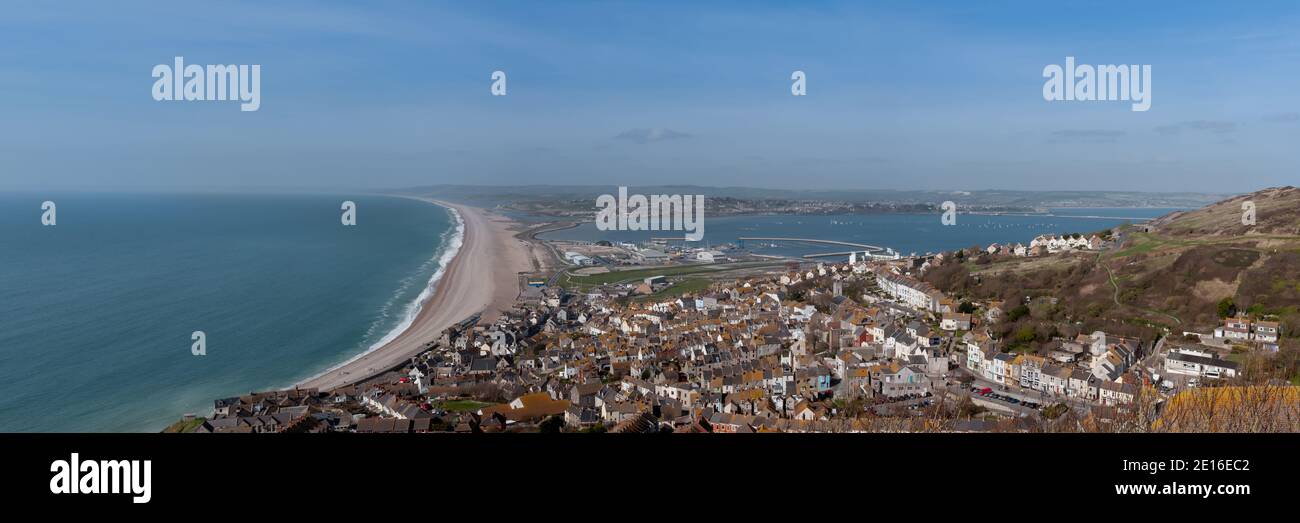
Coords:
pixel 1191 261
pixel 1170 277
pixel 1276 213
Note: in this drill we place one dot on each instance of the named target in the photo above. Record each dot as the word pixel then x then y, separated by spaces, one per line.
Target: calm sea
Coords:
pixel 905 233
pixel 96 312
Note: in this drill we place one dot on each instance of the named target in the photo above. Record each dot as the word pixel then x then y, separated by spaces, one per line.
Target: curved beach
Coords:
pixel 482 277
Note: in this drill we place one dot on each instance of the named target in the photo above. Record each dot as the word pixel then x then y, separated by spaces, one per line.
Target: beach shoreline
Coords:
pixel 483 277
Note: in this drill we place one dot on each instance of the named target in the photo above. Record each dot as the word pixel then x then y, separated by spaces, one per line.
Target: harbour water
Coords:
pixel 904 233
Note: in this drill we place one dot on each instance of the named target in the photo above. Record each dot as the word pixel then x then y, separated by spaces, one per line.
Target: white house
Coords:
pixel 915 293
pixel 975 357
pixel 955 321
pixel 1267 331
pixel 1199 364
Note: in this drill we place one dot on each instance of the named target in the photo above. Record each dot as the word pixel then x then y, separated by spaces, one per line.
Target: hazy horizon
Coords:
pixel 399 190
pixel 943 96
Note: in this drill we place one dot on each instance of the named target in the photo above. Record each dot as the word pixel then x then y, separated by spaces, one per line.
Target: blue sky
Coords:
pixel 904 95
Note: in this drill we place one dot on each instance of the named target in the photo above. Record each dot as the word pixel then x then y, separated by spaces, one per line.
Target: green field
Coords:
pixel 1147 242
pixel 183 426
pixel 605 278
pixel 462 405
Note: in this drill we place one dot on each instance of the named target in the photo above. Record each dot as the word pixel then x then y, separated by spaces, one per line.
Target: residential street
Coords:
pixel 1038 397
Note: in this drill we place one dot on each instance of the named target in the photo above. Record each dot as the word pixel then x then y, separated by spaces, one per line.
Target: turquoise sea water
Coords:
pixel 96 312
pixel 905 233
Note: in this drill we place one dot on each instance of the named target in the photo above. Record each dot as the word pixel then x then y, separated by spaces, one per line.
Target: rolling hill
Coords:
pixel 1187 262
pixel 1168 275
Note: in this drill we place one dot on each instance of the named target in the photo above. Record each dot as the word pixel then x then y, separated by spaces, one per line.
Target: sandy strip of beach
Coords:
pixel 482 277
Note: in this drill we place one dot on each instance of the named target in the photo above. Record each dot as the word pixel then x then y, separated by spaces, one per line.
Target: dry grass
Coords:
pixel 1258 408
